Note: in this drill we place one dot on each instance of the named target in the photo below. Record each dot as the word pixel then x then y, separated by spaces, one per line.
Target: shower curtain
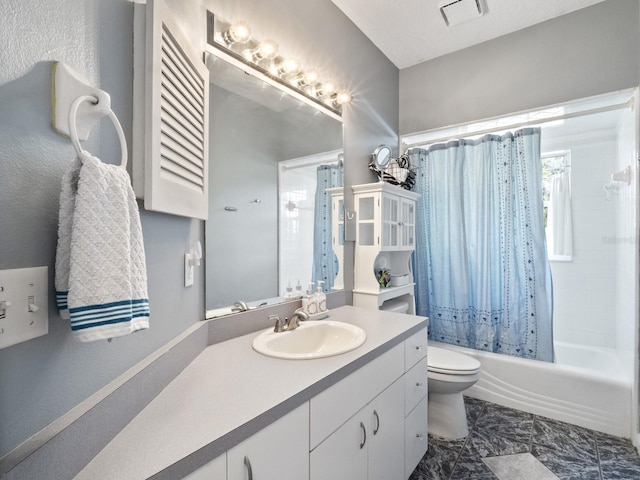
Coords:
pixel 481 267
pixel 325 263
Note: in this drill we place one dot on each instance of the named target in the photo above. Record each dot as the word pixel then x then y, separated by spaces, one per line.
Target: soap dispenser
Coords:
pixel 321 297
pixel 309 304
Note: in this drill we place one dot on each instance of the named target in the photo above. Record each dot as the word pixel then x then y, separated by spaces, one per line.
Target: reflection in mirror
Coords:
pixel 272 158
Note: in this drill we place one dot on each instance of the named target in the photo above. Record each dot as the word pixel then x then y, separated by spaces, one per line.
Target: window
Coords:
pixel 559 242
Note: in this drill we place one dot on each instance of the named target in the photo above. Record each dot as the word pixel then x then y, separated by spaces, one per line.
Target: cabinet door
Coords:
pixel 390 221
pixel 386 437
pixel 407 223
pixel 338 221
pixel 343 455
pixel 280 450
pixel 366 235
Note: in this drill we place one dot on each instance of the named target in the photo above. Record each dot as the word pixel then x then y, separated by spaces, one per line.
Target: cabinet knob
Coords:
pixel 420 436
pixel 419 384
pixel 420 348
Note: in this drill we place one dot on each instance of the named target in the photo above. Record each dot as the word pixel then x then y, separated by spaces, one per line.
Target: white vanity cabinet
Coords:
pixel 385 238
pixel 280 450
pixel 368 446
pixel 362 426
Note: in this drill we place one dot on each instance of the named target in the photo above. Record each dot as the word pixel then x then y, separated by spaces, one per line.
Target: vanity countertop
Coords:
pixel 230 391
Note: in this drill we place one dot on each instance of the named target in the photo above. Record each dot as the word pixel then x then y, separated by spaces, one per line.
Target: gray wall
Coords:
pixel 587 52
pixel 43 378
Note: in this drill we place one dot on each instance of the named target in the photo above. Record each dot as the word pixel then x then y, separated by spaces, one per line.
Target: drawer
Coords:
pixel 334 406
pixel 415 348
pixel 415 437
pixel 415 385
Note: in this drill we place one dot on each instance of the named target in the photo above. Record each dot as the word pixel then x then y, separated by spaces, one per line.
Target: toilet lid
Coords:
pixel 440 360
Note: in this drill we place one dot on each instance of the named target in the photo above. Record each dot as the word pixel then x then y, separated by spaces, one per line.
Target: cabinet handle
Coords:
pixel 364 433
pixel 375 430
pixel 247 464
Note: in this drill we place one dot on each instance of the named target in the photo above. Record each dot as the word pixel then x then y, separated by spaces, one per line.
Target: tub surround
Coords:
pixel 230 392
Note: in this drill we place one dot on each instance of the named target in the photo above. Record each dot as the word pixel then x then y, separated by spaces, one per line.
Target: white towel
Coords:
pixel 101 278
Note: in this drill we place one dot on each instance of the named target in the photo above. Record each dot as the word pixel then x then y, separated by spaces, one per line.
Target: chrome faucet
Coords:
pixel 239 306
pixel 291 323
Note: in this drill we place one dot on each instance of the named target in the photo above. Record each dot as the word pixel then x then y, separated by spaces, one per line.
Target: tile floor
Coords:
pixel 507 444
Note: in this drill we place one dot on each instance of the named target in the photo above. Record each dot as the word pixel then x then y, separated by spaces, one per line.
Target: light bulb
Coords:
pixel 266 50
pixel 326 89
pixel 342 98
pixel 289 66
pixel 308 78
pixel 239 32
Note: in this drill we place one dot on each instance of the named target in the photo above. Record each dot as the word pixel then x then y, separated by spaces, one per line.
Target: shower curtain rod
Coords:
pixel 284 168
pixel 609 108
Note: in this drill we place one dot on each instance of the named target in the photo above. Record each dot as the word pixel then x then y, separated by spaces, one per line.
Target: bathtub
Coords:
pixel 597 397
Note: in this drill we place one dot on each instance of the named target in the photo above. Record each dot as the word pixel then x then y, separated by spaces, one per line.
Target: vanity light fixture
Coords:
pixel 239 32
pixel 236 39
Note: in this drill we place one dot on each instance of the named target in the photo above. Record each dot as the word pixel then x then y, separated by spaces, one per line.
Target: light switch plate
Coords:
pixel 24 304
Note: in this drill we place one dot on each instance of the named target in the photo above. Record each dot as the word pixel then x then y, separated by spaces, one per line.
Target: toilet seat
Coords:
pixel 440 360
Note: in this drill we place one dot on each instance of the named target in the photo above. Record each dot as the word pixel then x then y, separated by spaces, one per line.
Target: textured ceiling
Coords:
pixel 413 31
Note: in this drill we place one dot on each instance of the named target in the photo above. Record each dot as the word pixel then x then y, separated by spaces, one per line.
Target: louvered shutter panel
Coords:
pixel 176 101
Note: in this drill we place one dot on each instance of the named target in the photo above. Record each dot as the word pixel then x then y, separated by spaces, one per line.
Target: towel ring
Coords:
pixel 73 132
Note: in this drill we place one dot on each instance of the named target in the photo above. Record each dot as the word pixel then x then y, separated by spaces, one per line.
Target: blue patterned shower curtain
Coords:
pixel 325 263
pixel 481 267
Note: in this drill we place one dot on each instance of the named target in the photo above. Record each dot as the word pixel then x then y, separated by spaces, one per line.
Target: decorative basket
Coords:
pixel 398 172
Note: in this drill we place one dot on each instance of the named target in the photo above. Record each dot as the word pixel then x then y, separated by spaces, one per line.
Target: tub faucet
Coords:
pixel 239 306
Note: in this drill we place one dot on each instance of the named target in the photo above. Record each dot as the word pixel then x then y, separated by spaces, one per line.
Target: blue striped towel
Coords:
pixel 101 278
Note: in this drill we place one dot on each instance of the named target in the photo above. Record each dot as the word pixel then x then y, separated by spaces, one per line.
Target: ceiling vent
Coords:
pixel 455 12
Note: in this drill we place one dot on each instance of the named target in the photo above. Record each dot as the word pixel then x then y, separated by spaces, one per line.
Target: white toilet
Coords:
pixel 449 373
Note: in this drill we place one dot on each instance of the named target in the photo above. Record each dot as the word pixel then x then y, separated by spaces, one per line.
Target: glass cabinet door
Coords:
pixel 407 223
pixel 390 223
pixel 366 221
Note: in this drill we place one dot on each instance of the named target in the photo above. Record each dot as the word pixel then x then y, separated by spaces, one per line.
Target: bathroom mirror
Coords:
pixel 267 213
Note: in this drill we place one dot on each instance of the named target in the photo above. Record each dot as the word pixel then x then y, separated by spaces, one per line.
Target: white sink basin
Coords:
pixel 312 339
